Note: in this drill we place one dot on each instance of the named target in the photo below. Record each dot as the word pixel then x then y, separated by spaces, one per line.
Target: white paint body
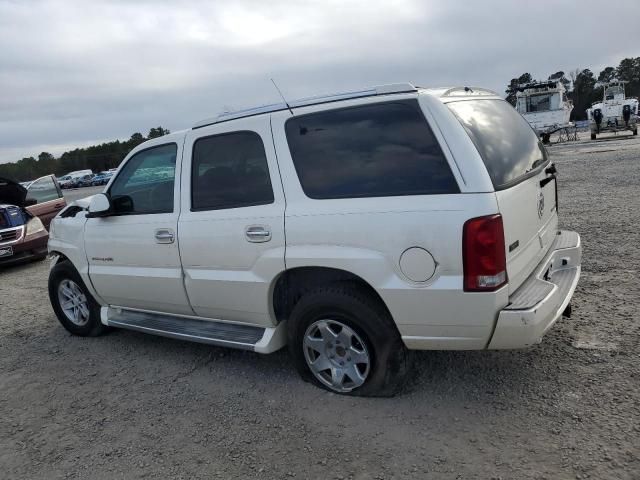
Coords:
pixel 212 272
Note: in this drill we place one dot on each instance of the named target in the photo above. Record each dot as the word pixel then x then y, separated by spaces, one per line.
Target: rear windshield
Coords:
pixel 508 146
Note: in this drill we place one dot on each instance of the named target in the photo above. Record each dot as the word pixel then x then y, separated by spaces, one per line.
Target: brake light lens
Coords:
pixel 483 254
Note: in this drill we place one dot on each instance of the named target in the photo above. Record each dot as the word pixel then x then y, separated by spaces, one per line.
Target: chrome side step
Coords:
pixel 193 329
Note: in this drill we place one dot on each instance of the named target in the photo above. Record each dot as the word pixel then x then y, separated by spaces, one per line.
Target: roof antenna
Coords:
pixel 283 99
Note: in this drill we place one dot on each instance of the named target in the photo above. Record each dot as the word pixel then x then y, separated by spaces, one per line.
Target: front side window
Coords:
pixel 229 171
pixel 43 190
pixel 145 183
pixel 379 150
pixel 507 144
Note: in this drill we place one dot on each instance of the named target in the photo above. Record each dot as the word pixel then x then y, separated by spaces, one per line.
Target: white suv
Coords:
pixel 354 228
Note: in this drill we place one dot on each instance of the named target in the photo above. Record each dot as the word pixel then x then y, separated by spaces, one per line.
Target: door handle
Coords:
pixel 164 235
pixel 257 233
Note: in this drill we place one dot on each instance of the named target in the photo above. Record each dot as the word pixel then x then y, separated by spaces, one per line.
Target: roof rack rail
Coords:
pixel 304 102
pixel 468 91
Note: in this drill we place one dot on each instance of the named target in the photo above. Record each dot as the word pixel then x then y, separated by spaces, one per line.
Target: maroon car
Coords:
pixel 25 215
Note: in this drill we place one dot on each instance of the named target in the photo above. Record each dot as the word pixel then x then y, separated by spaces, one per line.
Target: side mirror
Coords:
pixel 99 206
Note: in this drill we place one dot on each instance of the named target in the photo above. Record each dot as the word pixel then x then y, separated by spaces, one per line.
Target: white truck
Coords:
pixel 353 228
pixel 615 113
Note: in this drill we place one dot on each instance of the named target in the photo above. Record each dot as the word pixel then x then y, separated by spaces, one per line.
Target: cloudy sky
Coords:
pixel 73 73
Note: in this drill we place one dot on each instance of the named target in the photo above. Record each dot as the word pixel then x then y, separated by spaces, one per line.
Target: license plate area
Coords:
pixel 6 252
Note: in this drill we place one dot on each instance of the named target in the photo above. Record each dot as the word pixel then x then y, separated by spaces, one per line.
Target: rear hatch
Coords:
pixel 523 178
pixel 12 193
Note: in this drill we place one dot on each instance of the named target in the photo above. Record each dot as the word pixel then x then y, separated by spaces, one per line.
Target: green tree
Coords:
pixel 96 157
pixel 157 132
pixel 629 71
pixel 512 88
pixel 583 94
pixel 607 75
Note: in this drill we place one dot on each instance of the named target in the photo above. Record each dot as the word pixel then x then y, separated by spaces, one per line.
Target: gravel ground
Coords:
pixel 132 406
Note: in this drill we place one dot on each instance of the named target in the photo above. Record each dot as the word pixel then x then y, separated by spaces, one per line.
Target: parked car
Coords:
pixel 70 180
pixel 84 181
pixel 102 178
pixel 64 181
pixel 25 215
pixel 415 219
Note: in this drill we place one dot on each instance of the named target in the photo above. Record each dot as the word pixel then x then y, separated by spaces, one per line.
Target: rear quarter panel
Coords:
pixel 367 236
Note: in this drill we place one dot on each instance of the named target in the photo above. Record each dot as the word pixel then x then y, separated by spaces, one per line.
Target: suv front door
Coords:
pixel 133 253
pixel 231 226
pixel 45 199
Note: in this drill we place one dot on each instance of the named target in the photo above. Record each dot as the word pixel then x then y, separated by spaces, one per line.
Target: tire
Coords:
pixel 88 321
pixel 593 136
pixel 349 312
pixel 635 131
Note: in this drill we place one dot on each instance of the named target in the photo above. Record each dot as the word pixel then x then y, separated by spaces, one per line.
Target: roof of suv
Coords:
pixel 389 89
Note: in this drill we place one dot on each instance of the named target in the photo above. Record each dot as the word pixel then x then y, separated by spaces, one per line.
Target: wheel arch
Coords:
pixel 58 257
pixel 289 286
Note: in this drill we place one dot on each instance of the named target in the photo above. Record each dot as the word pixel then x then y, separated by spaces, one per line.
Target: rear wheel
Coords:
pixel 635 131
pixel 344 341
pixel 593 136
pixel 74 306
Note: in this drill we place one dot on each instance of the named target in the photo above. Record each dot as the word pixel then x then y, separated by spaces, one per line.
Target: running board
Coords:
pixel 195 329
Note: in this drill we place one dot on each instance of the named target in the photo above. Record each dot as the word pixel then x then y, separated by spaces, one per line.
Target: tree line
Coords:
pixel 583 87
pixel 96 157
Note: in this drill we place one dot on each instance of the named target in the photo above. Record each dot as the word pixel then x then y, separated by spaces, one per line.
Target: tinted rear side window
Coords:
pixel 230 171
pixel 507 144
pixel 386 149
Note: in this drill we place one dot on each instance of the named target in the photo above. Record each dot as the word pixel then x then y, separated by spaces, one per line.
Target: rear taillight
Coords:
pixel 483 254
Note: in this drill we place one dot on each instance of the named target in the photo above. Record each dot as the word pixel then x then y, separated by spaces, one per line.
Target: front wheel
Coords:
pixel 593 136
pixel 74 306
pixel 344 341
pixel 635 131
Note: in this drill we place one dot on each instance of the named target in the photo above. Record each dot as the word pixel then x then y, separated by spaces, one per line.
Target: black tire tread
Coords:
pixel 94 328
pixel 391 359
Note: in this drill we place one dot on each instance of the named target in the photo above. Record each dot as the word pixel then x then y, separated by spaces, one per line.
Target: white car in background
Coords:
pixel 69 180
pixel 352 228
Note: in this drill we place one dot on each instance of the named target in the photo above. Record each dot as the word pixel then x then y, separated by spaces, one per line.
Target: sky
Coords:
pixel 75 73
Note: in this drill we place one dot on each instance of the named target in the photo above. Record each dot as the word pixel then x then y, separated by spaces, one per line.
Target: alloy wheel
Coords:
pixel 73 302
pixel 336 355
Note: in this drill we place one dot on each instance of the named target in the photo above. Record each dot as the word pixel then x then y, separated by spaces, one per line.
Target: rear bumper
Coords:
pixel 539 302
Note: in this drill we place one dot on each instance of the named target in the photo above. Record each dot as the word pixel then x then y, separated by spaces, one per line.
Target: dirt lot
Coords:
pixel 131 406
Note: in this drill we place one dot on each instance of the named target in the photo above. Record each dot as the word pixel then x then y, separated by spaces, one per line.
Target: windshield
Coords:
pixel 508 146
pixel 611 92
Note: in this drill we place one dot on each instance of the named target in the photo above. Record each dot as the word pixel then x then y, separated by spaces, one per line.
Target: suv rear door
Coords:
pixel 519 169
pixel 231 227
pixel 47 195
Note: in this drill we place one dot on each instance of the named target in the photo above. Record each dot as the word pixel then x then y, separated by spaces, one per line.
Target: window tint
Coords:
pixel 507 144
pixel 43 190
pixel 145 183
pixel 230 171
pixel 386 149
